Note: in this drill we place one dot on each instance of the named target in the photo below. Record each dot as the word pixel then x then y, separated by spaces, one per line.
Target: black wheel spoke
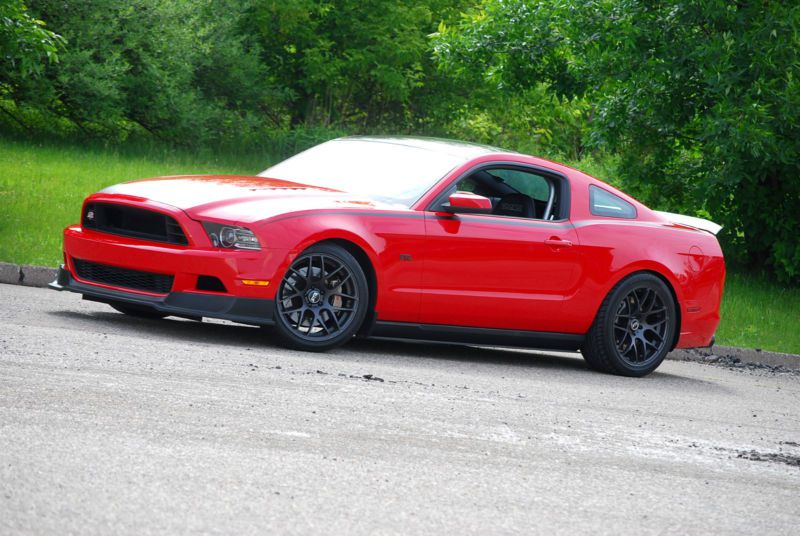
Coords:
pixel 628 341
pixel 291 286
pixel 640 325
pixel 299 275
pixel 653 327
pixel 343 281
pixel 333 273
pixel 318 319
pixel 635 303
pixel 332 315
pixel 647 302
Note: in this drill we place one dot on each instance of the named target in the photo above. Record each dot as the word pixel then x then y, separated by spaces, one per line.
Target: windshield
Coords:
pixel 383 171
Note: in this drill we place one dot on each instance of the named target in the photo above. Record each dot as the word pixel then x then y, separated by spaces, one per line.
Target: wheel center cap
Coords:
pixel 314 296
pixel 635 325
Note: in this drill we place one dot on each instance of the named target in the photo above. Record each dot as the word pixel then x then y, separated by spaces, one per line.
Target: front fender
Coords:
pixel 392 242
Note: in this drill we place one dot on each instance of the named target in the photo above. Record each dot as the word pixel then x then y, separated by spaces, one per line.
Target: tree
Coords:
pixel 177 70
pixel 26 47
pixel 701 100
pixel 358 63
pixel 25 44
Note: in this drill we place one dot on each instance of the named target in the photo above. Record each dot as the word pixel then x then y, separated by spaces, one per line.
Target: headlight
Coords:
pixel 230 236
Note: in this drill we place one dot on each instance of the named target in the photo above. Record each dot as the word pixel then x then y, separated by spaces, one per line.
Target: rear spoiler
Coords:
pixel 691 221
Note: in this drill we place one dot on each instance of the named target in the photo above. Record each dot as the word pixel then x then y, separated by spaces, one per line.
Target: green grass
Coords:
pixel 42 186
pixel 758 313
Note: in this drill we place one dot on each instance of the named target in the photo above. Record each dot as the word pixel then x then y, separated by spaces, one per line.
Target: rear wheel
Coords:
pixel 634 328
pixel 322 299
pixel 137 310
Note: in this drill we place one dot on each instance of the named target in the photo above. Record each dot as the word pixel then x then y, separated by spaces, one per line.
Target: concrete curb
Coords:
pixel 40 276
pixel 9 273
pixel 24 274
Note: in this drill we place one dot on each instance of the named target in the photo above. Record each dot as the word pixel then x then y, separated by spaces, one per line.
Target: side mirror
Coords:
pixel 467 203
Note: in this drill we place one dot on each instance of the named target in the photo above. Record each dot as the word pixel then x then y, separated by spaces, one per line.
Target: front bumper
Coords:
pixel 256 311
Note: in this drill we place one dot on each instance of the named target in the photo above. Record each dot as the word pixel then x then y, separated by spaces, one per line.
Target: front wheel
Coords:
pixel 322 299
pixel 634 328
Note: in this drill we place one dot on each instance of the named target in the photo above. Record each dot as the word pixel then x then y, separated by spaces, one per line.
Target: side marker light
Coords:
pixel 256 282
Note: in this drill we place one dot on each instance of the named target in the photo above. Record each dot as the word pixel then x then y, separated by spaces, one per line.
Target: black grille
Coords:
pixel 135 222
pixel 123 277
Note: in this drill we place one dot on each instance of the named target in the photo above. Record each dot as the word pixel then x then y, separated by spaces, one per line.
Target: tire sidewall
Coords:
pixel 287 333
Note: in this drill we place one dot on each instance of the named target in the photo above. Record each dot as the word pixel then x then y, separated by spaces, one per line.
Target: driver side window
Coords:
pixel 529 184
pixel 514 192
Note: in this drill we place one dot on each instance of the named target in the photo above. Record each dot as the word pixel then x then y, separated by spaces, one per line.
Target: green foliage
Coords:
pixel 531 121
pixel 25 45
pixel 700 100
pixel 199 71
pixel 759 313
pixel 357 63
pixel 176 70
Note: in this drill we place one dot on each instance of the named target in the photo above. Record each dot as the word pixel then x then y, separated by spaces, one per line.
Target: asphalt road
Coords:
pixel 114 425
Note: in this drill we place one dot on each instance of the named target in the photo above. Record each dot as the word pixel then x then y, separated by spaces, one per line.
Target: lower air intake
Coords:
pixel 123 277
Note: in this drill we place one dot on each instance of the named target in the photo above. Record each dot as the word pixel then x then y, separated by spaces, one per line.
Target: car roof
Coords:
pixel 462 149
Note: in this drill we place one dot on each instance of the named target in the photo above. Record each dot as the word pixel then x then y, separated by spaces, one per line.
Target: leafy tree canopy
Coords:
pixel 354 62
pixel 25 44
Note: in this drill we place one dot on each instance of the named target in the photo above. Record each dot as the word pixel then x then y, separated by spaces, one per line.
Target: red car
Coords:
pixel 407 238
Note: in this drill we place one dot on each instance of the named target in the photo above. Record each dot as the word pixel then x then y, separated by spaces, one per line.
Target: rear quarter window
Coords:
pixel 604 203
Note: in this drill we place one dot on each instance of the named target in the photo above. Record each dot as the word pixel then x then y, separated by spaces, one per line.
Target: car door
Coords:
pixel 496 270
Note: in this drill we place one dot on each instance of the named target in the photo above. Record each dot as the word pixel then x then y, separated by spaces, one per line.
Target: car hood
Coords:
pixel 235 198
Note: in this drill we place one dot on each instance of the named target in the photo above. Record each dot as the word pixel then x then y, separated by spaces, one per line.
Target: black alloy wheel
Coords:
pixel 322 299
pixel 640 325
pixel 634 328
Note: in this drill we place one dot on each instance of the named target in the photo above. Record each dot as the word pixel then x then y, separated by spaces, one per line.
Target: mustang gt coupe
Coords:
pixel 410 238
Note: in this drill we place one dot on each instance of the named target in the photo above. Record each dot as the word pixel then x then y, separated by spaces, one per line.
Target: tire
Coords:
pixel 634 328
pixel 138 311
pixel 322 299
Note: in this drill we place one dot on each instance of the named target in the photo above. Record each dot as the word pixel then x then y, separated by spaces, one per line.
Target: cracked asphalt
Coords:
pixel 116 425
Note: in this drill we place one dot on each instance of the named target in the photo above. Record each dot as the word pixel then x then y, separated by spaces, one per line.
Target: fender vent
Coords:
pixel 210 283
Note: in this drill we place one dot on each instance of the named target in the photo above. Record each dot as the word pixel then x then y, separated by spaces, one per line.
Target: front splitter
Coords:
pixel 255 311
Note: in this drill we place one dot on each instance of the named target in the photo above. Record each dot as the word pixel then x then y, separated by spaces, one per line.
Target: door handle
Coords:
pixel 558 243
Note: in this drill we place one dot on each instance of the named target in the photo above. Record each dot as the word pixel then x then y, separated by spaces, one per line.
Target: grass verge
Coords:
pixel 758 313
pixel 42 186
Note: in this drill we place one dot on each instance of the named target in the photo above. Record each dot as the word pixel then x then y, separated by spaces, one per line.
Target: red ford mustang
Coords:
pixel 407 238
